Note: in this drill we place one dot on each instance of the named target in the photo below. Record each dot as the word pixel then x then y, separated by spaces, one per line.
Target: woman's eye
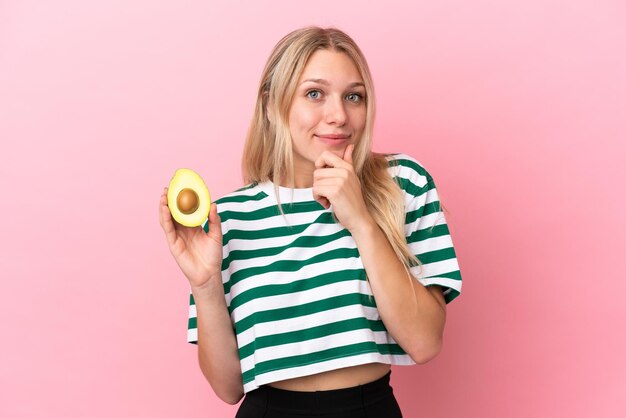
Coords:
pixel 313 94
pixel 354 97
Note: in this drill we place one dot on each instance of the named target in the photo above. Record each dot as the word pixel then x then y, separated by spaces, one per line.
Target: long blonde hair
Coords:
pixel 267 153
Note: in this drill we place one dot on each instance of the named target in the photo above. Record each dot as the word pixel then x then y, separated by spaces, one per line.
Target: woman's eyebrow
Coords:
pixel 326 83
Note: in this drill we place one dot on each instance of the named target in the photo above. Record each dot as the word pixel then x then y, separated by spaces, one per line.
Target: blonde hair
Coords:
pixel 267 153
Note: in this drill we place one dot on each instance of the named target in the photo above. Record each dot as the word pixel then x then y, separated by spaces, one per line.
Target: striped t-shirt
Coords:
pixel 296 289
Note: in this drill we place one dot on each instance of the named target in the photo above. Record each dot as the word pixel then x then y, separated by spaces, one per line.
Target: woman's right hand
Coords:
pixel 198 254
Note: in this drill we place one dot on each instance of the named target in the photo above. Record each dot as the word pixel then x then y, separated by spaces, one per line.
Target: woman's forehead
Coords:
pixel 330 67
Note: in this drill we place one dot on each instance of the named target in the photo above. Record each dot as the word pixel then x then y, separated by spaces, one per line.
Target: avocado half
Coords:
pixel 188 198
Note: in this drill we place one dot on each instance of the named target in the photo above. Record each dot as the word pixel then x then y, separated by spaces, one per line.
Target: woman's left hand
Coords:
pixel 335 183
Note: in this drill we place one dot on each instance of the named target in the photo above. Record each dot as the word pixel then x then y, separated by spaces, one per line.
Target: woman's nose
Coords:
pixel 335 111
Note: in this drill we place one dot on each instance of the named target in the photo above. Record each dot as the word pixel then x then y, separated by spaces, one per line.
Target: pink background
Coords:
pixel 517 109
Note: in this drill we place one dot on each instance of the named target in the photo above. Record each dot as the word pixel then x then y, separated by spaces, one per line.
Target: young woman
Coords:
pixel 331 264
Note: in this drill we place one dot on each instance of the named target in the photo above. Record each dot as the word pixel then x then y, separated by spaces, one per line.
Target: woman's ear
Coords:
pixel 268 113
pixel 267 106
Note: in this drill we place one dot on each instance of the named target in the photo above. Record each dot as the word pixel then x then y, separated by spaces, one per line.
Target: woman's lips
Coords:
pixel 334 139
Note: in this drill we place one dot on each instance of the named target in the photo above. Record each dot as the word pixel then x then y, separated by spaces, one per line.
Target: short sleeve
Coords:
pixel 192 324
pixel 426 229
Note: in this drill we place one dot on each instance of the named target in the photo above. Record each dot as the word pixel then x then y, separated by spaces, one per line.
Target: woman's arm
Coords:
pixel 413 314
pixel 199 256
pixel 217 346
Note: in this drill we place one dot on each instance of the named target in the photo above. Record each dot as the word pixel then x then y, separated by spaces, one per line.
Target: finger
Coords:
pixel 322 200
pixel 324 173
pixel 327 188
pixel 325 202
pixel 215 222
pixel 167 222
pixel 162 201
pixel 329 184
pixel 325 191
pixel 347 154
pixel 328 159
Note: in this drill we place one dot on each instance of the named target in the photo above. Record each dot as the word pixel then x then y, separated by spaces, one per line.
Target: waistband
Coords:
pixel 322 401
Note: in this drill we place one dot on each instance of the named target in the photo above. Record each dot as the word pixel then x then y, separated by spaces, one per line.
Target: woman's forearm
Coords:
pixel 413 315
pixel 217 345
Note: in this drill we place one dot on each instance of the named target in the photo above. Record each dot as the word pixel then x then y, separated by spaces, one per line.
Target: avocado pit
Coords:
pixel 187 201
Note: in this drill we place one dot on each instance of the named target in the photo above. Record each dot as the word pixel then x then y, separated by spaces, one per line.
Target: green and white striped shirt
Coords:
pixel 296 289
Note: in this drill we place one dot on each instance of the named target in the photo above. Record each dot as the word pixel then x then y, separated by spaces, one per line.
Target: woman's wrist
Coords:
pixel 211 287
pixel 364 229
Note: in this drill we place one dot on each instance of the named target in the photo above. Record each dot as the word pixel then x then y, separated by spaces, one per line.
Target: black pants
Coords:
pixel 372 400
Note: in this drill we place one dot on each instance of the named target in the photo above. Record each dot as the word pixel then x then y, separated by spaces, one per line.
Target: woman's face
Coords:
pixel 328 110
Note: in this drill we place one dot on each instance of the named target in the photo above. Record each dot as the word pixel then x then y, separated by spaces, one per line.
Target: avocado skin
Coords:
pixel 185 178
